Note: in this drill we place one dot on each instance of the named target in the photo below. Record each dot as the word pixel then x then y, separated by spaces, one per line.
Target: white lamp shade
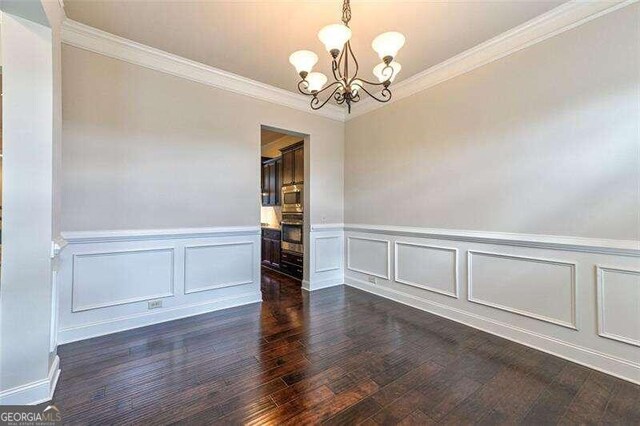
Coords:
pixel 303 60
pixel 383 73
pixel 334 36
pixel 388 44
pixel 315 81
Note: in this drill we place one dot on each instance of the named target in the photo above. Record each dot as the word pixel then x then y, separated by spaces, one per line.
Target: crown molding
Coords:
pixel 556 21
pixel 98 41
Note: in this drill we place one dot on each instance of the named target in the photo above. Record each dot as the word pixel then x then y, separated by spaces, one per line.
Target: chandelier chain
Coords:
pixel 346 12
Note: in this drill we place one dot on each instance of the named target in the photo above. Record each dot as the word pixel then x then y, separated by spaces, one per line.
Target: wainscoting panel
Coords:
pixel 325 257
pixel 428 267
pixel 619 304
pixel 327 253
pixel 209 267
pixel 538 290
pixel 533 287
pixel 106 279
pixel 113 278
pixel 369 256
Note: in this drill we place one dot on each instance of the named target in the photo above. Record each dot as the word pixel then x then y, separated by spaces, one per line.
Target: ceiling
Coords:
pixel 254 38
pixel 268 136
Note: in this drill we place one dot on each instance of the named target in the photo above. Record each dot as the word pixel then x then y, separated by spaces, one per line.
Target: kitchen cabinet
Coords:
pixel 271 182
pixel 291 263
pixel 293 164
pixel 271 249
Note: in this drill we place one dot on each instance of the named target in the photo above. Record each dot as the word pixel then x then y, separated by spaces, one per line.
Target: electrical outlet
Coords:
pixel 372 280
pixel 154 304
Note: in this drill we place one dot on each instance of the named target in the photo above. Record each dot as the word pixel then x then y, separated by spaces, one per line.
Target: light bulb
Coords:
pixel 334 37
pixel 383 72
pixel 303 60
pixel 315 81
pixel 388 44
pixel 355 86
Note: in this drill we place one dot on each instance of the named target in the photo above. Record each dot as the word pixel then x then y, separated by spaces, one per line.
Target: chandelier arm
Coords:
pixel 327 87
pixel 371 83
pixel 386 94
pixel 355 61
pixel 315 101
pixel 301 86
pixel 336 67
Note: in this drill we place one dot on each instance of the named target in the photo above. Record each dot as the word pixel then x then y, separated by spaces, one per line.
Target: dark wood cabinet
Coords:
pixel 293 164
pixel 271 182
pixel 271 248
pixel 291 263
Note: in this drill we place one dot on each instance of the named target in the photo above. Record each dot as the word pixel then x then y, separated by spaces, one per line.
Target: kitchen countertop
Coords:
pixel 273 228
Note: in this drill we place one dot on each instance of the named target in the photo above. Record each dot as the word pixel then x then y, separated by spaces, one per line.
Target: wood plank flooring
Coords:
pixel 335 356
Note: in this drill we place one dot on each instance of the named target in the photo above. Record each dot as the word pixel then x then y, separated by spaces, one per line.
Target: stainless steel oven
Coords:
pixel 292 233
pixel 292 199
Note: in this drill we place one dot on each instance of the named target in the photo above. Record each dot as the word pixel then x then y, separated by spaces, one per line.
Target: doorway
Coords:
pixel 283 207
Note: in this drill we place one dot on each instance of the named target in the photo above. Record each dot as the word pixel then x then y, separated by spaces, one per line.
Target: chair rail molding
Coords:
pixel 550 242
pixel 86 37
pixel 76 237
pixel 565 17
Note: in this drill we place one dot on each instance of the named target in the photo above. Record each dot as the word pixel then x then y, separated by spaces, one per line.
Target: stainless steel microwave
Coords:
pixel 292 199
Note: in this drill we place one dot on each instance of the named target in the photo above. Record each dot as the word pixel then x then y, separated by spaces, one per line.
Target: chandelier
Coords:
pixel 347 86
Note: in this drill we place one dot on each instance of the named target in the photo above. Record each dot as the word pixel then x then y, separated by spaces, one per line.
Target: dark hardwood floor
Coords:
pixel 338 356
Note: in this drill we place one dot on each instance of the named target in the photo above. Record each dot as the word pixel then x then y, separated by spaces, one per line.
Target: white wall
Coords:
pixel 144 149
pixel 27 370
pixel 178 162
pixel 456 198
pixel 544 141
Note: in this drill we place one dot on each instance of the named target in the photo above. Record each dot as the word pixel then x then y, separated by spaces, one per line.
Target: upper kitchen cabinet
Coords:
pixel 271 181
pixel 293 164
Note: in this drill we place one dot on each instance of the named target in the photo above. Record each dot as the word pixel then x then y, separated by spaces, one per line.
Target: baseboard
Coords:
pixel 318 285
pixel 617 367
pixel 35 392
pixel 115 325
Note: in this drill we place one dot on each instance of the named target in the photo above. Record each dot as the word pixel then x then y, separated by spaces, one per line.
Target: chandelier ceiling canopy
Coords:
pixel 347 86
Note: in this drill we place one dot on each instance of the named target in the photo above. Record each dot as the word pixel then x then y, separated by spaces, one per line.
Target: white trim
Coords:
pixel 76 237
pixel 551 242
pixel 218 286
pixel 556 21
pixel 98 41
pixel 315 263
pixel 75 309
pixel 422 286
pixel 572 325
pixel 600 361
pixel 101 328
pixel 326 227
pixel 602 332
pixel 35 392
pixel 349 267
pixel 321 284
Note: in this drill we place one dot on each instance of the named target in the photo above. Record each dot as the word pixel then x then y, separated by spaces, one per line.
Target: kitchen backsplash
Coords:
pixel 271 215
